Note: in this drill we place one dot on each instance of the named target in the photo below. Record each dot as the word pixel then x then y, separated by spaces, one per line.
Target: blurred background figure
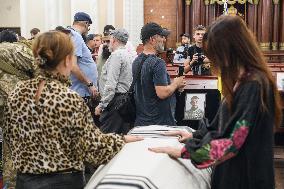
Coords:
pixel 108 29
pixel 181 53
pixel 34 32
pixel 8 36
pixel 94 42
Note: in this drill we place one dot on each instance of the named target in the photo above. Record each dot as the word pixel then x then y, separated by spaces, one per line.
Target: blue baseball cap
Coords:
pixel 81 16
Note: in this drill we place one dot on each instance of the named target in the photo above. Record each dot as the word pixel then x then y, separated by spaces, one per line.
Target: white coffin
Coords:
pixel 135 167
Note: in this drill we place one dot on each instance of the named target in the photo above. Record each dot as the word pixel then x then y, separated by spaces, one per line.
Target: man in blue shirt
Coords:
pixel 84 72
pixel 154 92
pixel 182 51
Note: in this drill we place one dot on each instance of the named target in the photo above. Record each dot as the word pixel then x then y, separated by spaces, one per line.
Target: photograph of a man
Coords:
pixel 280 80
pixel 194 107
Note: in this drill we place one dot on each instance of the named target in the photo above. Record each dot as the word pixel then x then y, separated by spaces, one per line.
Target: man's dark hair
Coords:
pixel 90 37
pixel 62 29
pixel 34 31
pixel 106 53
pixel 59 28
pixel 8 36
pixel 107 29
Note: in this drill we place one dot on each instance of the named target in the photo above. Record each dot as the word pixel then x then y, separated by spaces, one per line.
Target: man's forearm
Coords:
pixel 164 92
pixel 79 74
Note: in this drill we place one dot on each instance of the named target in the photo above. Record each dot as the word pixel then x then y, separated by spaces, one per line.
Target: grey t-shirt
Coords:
pixel 150 109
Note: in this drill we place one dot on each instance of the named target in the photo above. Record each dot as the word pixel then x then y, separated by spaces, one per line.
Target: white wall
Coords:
pixel 47 14
pixel 32 16
pixel 133 19
pixel 9 13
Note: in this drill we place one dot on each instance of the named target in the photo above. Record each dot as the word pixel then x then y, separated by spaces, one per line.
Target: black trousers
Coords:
pixel 74 180
pixel 111 122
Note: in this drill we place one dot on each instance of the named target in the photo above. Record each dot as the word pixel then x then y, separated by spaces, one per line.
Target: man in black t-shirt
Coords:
pixel 154 99
pixel 198 62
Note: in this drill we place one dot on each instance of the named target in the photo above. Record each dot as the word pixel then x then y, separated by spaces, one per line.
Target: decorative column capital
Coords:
pixel 276 2
pixel 265 46
pixel 187 2
pixel 256 2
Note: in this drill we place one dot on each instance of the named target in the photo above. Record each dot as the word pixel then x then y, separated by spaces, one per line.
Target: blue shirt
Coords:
pixel 150 109
pixel 180 55
pixel 85 63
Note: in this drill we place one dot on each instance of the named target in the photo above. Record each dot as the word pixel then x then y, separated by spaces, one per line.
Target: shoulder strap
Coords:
pixel 138 73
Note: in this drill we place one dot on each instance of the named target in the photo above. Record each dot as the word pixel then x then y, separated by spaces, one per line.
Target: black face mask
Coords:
pixel 106 53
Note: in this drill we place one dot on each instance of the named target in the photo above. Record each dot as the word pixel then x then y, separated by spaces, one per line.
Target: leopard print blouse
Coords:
pixel 56 133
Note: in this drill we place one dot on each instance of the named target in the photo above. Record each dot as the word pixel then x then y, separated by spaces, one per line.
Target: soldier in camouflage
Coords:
pixel 16 63
pixel 194 113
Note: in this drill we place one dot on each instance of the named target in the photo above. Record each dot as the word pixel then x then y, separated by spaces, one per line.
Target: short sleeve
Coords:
pixel 160 74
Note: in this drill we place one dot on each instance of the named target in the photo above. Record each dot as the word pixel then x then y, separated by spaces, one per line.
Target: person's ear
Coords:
pixel 152 39
pixel 69 61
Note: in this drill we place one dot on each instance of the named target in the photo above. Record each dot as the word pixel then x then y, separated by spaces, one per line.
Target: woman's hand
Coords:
pixel 171 151
pixel 184 135
pixel 132 138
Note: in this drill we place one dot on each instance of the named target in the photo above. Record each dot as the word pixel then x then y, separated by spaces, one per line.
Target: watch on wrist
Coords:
pixel 90 84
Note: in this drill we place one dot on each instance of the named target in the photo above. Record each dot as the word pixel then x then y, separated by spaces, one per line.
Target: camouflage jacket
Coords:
pixel 16 63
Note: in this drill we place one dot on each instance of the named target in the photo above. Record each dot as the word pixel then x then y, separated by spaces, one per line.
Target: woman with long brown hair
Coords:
pixel 238 144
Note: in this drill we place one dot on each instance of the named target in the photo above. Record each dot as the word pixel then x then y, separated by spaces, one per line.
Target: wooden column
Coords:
pixel 196 13
pixel 187 16
pixel 252 17
pixel 206 14
pixel 281 21
pixel 180 19
pixel 203 15
pixel 259 27
pixel 266 24
pixel 276 25
pixel 211 14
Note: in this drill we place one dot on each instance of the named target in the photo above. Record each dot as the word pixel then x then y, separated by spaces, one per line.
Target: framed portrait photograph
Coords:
pixel 280 80
pixel 194 106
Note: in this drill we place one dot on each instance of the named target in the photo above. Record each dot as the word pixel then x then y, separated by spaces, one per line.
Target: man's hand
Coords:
pixel 194 58
pixel 206 65
pixel 98 111
pixel 93 90
pixel 171 151
pixel 180 82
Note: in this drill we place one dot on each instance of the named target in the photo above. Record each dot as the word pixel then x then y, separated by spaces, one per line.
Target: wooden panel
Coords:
pixel 180 20
pixel 281 27
pixel 276 24
pixel 163 13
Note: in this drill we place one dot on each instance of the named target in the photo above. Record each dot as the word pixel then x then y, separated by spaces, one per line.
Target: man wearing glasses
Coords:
pixel 84 73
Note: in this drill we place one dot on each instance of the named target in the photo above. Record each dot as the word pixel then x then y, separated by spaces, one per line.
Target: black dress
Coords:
pixel 238 144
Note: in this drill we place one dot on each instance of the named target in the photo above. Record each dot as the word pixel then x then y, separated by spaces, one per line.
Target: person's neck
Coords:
pixel 59 72
pixel 149 49
pixel 198 45
pixel 77 28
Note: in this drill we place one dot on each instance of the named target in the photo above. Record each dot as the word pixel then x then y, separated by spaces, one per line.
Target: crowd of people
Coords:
pixel 58 117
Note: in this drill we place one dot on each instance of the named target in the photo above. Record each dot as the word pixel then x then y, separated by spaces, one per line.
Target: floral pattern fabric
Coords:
pixel 218 149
